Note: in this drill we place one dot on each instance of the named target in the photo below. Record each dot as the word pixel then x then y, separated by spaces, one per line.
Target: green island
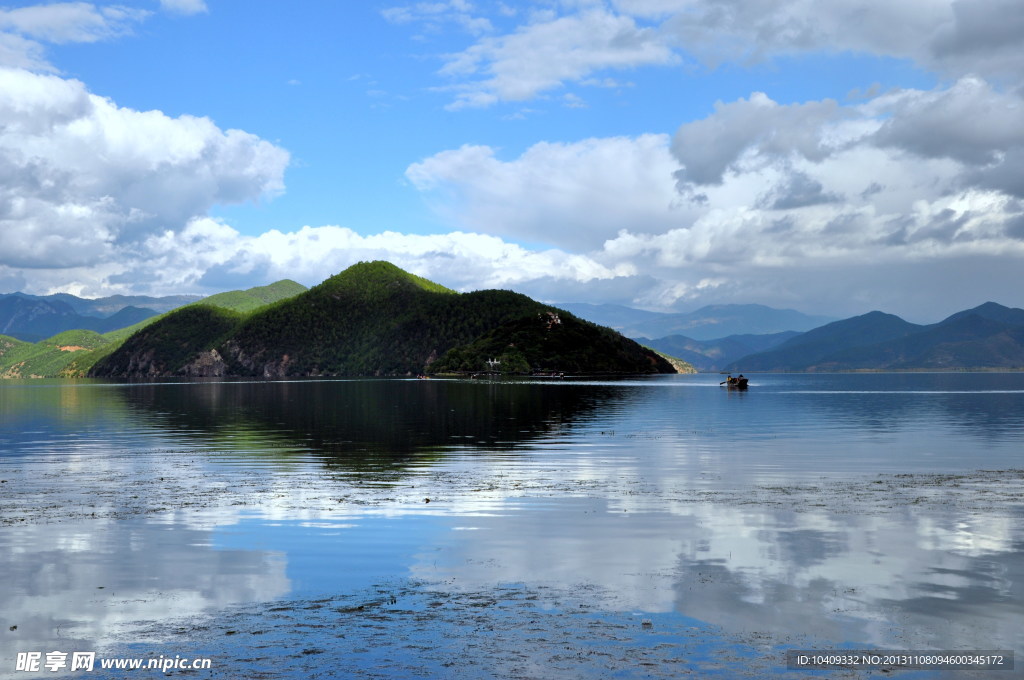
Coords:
pixel 371 319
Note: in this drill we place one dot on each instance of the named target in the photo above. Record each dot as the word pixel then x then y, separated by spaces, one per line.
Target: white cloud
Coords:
pixel 797 204
pixel 433 14
pixel 735 30
pixel 800 204
pixel 570 195
pixel 954 37
pixel 184 6
pixel 544 54
pixel 24 30
pixel 84 178
pixel 749 129
pixel 573 101
pixel 574 42
pixel 19 52
pixel 209 256
pixel 70 22
pixel 969 121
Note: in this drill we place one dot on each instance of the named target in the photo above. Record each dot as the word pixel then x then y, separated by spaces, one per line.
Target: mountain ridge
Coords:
pixel 989 336
pixel 711 322
pixel 713 355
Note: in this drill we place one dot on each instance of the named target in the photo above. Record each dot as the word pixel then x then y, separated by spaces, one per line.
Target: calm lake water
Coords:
pixel 411 528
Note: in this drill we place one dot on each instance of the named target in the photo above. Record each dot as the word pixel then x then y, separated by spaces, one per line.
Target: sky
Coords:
pixel 834 158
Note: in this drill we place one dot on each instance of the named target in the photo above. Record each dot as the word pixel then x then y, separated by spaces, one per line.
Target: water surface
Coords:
pixel 653 526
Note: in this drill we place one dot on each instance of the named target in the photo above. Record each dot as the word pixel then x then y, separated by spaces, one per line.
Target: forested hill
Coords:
pixel 551 341
pixel 371 319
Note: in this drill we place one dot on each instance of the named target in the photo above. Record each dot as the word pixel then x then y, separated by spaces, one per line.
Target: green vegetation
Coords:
pixel 245 301
pixel 374 280
pixel 371 319
pixel 167 346
pixel 8 344
pixel 552 341
pixel 48 357
pixel 74 353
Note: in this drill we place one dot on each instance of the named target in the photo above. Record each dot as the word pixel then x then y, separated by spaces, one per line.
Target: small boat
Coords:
pixel 735 383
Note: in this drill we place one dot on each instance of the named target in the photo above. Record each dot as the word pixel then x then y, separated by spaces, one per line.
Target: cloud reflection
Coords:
pixel 87 586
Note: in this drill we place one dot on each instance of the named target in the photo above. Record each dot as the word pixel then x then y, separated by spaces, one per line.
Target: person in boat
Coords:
pixel 730 380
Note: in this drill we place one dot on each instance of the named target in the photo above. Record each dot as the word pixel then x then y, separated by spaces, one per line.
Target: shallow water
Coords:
pixel 411 528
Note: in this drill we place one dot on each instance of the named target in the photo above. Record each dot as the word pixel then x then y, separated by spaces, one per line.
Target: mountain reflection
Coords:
pixel 350 420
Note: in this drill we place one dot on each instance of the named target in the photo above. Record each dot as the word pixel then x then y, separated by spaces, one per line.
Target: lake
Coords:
pixel 649 527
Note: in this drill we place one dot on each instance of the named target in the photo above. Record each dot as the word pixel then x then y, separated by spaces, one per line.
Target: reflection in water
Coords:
pixel 124 503
pixel 85 586
pixel 899 579
pixel 360 421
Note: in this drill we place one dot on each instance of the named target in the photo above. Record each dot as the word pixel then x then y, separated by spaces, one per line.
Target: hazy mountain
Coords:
pixel 108 306
pixel 707 323
pixel 714 355
pixel 618 317
pixel 988 336
pixel 32 318
pixel 35 317
pixel 990 310
pixel 373 318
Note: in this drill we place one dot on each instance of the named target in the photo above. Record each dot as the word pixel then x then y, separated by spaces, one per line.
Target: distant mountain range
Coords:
pixel 107 306
pixel 34 317
pixel 375 319
pixel 714 355
pixel 378 319
pixel 989 336
pixel 707 323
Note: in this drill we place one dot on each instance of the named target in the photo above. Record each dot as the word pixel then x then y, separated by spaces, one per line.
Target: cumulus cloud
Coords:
pixel 972 131
pixel 868 203
pixel 970 122
pixel 210 256
pixel 83 178
pixel 569 195
pixel 798 190
pixel 748 129
pixel 983 37
pixel 775 203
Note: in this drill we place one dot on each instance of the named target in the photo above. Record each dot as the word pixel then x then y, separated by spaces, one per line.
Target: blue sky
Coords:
pixel 659 153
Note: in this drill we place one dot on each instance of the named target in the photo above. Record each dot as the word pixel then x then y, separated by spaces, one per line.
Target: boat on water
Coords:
pixel 732 383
